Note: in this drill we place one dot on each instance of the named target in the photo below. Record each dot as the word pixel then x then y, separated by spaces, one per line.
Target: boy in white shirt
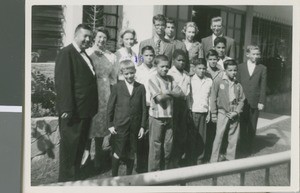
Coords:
pixel 143 74
pixel 200 94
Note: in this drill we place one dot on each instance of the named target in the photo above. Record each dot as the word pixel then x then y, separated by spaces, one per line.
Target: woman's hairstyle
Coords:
pixel 126 64
pixel 212 52
pixel 125 31
pixel 190 24
pixel 103 30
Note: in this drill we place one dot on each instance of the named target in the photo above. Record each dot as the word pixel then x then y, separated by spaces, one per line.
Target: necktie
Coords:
pixel 157 46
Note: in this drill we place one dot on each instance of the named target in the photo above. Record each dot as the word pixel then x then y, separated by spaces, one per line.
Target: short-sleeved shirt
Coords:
pixel 200 93
pixel 143 74
pixel 158 86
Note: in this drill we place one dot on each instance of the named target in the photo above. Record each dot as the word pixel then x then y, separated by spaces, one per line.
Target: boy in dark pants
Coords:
pixel 227 101
pixel 200 95
pixel 127 113
pixel 253 77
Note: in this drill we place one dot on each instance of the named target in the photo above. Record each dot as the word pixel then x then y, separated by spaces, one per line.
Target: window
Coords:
pixel 234 28
pixel 275 42
pixel 107 16
pixel 47 32
pixel 181 15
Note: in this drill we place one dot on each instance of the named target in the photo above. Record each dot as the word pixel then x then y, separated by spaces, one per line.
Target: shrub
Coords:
pixel 42 95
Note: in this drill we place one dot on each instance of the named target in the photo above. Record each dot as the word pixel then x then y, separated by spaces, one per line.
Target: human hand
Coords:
pixel 112 130
pixel 214 118
pixel 208 117
pixel 231 115
pixel 260 106
pixel 141 133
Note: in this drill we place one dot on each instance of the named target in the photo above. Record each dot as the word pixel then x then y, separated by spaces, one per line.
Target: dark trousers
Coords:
pixel 249 119
pixel 200 126
pixel 73 139
pixel 143 150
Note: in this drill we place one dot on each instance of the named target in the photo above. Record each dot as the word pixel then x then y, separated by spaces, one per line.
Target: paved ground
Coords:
pixel 273 135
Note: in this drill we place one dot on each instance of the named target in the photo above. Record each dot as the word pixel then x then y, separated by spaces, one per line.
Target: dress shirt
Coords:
pixel 231 88
pixel 221 62
pixel 200 93
pixel 251 67
pixel 84 56
pixel 182 79
pixel 129 87
pixel 143 74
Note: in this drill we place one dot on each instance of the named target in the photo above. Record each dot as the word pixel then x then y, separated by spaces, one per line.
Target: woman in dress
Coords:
pixel 127 40
pixel 106 72
pixel 194 48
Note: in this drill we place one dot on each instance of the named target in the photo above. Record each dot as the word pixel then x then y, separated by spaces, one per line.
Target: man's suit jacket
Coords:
pixel 123 107
pixel 254 86
pixel 75 84
pixel 230 46
pixel 167 49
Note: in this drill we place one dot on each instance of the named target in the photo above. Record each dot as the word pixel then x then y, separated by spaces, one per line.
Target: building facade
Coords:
pixel 270 27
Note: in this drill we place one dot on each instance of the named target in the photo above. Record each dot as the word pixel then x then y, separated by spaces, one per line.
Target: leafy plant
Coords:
pixel 42 95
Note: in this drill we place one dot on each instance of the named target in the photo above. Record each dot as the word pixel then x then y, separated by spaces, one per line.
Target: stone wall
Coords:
pixel 44 150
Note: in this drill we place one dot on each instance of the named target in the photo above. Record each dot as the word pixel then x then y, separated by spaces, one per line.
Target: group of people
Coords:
pixel 175 103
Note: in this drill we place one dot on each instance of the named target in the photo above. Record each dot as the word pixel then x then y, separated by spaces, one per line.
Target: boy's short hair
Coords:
pixel 170 20
pixel 179 52
pixel 159 17
pixel 229 62
pixel 220 40
pixel 199 61
pixel 126 64
pixel 252 47
pixel 214 19
pixel 160 58
pixel 212 52
pixel 82 26
pixel 148 48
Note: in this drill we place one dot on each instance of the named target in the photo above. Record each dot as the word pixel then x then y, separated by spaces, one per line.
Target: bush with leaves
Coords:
pixel 42 95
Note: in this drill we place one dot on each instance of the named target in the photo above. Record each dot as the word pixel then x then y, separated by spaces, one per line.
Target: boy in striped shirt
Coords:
pixel 162 88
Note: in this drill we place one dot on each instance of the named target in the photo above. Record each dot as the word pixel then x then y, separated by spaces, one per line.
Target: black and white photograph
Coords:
pixel 183 96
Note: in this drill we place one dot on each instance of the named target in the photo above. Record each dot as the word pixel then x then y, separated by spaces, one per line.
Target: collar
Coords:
pixel 76 46
pixel 129 84
pixel 174 69
pixel 170 39
pixel 225 77
pixel 196 77
pixel 214 36
pixel 124 52
pixel 145 66
pixel 250 63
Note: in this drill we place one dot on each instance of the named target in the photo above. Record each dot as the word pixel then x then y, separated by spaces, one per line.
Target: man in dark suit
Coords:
pixel 253 77
pixel 158 42
pixel 76 102
pixel 217 29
